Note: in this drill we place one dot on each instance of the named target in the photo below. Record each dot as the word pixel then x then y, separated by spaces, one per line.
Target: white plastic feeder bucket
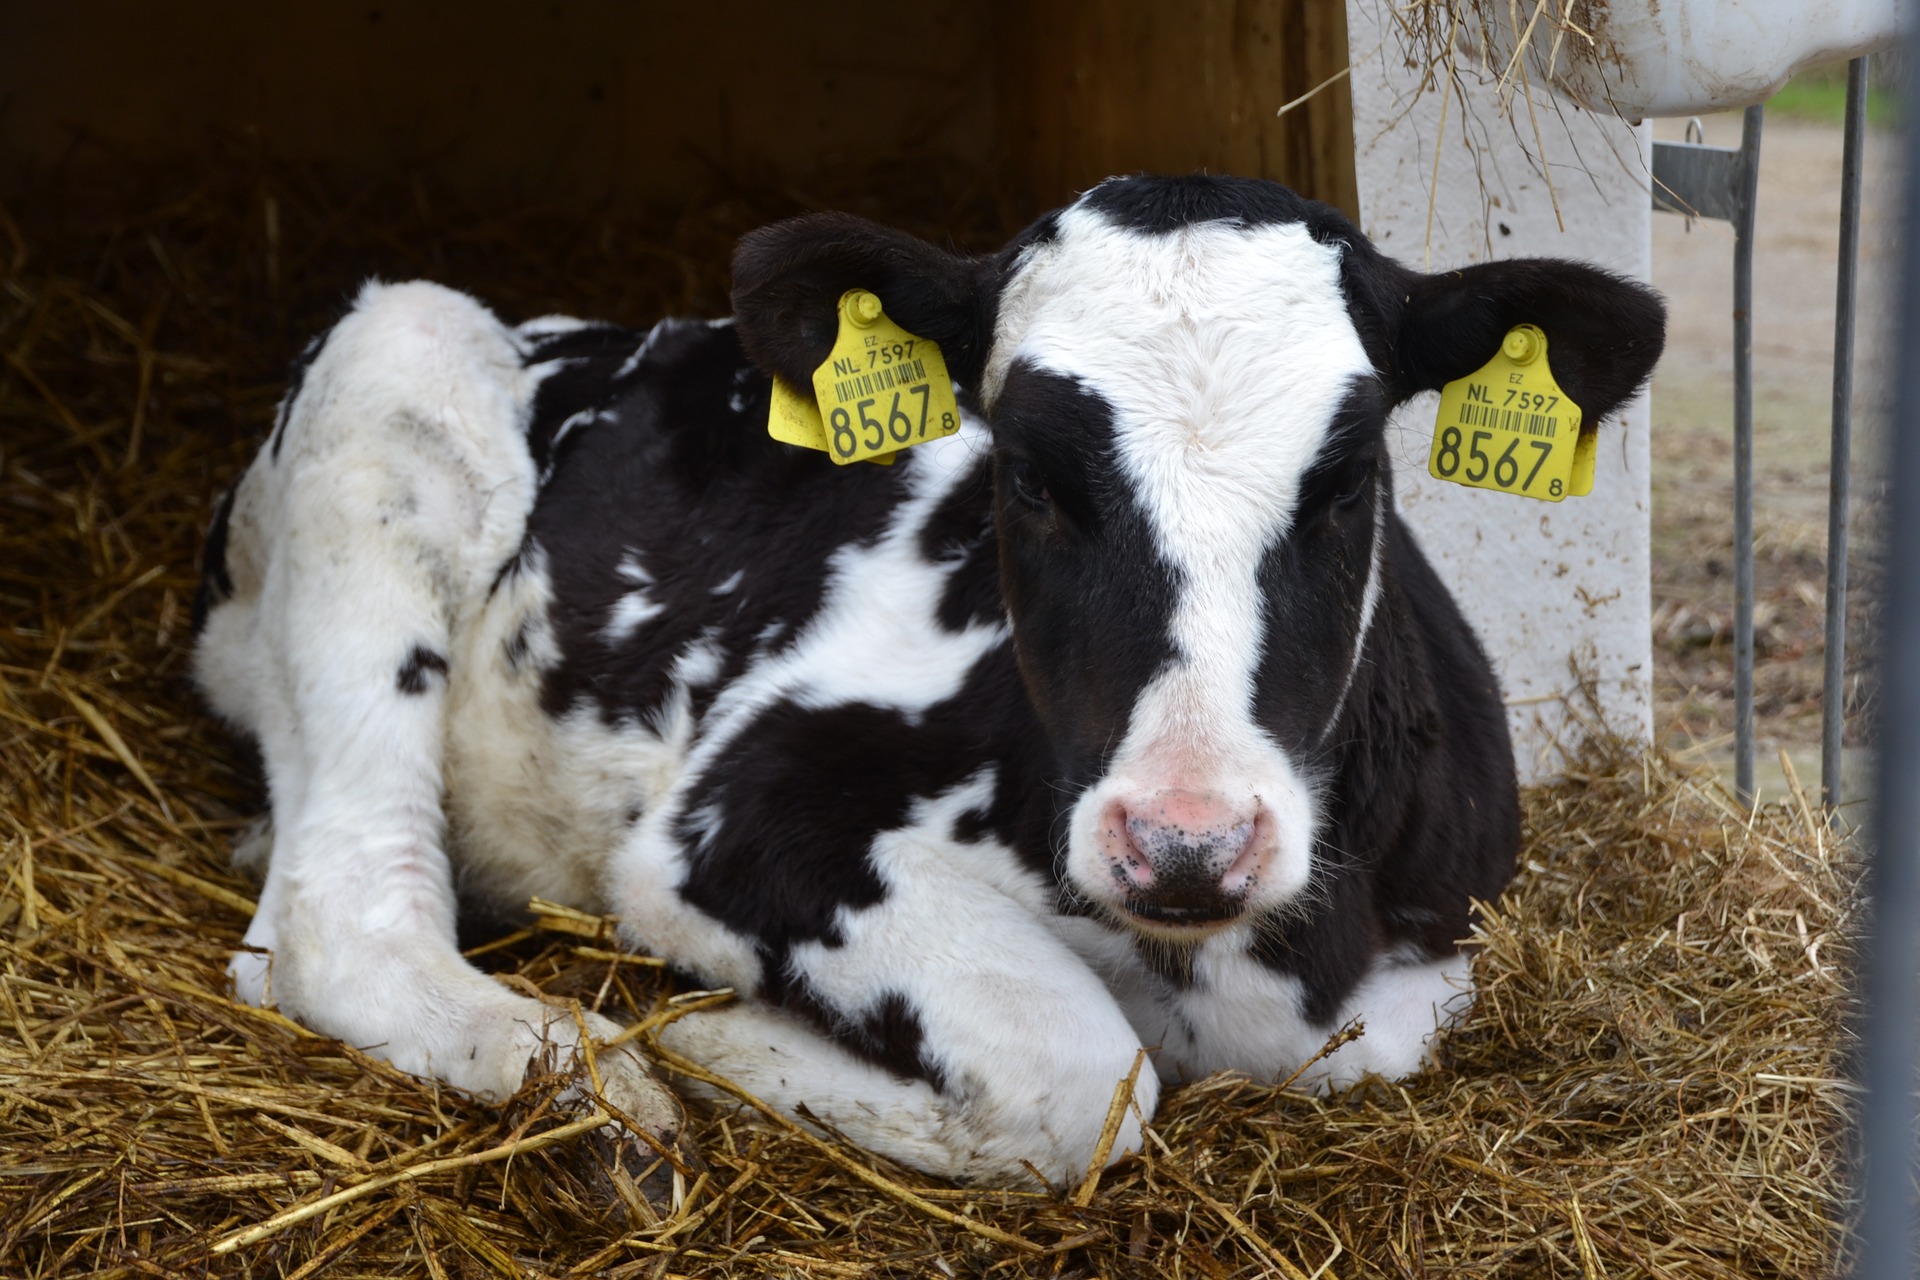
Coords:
pixel 1683 57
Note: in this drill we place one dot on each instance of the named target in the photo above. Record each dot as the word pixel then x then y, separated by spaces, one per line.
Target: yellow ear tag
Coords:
pixel 795 419
pixel 882 389
pixel 1509 426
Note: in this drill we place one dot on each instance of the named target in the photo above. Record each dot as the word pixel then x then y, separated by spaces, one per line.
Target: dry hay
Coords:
pixel 1501 67
pixel 1517 39
pixel 1648 1086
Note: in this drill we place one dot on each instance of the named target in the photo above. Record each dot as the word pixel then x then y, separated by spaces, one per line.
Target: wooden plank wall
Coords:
pixel 1090 90
pixel 570 103
pixel 596 99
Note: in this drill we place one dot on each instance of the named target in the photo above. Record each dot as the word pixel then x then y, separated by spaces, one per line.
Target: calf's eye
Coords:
pixel 1026 482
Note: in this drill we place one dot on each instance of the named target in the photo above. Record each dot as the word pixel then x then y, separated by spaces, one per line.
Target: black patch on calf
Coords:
pixel 673 477
pixel 777 830
pixel 1313 580
pixel 796 798
pixel 581 382
pixel 1448 827
pixel 1421 810
pixel 889 1034
pixel 778 826
pixel 216 584
pixel 1157 205
pixel 412 678
pixel 1090 596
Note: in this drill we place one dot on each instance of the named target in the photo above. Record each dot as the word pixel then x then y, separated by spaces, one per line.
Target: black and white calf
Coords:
pixel 1130 715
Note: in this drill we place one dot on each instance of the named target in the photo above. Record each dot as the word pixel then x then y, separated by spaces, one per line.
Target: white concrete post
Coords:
pixel 1550 588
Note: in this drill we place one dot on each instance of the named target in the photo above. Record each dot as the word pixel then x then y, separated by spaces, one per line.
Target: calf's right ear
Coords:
pixel 1604 332
pixel 788 278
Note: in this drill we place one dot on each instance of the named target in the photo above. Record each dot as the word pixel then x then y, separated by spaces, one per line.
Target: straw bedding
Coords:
pixel 1650 1084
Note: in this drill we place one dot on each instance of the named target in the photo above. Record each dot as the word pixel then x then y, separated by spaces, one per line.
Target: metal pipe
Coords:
pixel 1749 184
pixel 1891 972
pixel 1833 697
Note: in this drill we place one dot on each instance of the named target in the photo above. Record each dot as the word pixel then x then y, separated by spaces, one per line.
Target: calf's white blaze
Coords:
pixel 1225 352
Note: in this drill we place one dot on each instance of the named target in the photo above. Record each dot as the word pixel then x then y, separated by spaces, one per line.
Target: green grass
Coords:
pixel 1821 94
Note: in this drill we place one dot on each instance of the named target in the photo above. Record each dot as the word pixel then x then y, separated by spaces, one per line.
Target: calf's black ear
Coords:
pixel 1604 332
pixel 788 278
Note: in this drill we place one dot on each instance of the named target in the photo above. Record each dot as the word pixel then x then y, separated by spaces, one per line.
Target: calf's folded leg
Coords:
pixel 395 486
pixel 946 1027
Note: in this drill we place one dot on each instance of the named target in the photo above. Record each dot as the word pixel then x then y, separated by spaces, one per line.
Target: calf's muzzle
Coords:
pixel 1185 860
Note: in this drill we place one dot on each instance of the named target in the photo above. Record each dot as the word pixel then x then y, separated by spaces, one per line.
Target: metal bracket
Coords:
pixel 1700 181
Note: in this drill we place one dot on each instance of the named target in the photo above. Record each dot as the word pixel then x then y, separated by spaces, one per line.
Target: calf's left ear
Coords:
pixel 788 278
pixel 1604 333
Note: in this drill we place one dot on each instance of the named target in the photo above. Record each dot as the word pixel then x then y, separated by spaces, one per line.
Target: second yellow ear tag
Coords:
pixel 882 388
pixel 793 418
pixel 1509 426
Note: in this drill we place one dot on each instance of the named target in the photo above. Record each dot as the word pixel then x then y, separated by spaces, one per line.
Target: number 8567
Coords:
pixel 1504 468
pixel 899 427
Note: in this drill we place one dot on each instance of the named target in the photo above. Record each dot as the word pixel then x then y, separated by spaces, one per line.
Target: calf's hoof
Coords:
pixel 640 1160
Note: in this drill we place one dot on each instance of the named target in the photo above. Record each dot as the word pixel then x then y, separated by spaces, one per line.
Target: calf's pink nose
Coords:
pixel 1191 835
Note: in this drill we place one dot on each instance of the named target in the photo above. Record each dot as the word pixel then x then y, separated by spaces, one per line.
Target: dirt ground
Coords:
pixel 1794 281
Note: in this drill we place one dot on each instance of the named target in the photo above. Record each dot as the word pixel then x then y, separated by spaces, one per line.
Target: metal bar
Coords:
pixel 1891 1044
pixel 1833 695
pixel 1743 745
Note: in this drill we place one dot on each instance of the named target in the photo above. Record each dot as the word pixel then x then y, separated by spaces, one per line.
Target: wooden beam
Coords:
pixel 1091 90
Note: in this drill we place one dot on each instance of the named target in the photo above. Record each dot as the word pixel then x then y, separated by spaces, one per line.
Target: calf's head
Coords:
pixel 1187 382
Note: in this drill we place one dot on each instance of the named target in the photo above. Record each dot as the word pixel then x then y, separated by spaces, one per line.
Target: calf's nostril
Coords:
pixel 1245 867
pixel 1129 861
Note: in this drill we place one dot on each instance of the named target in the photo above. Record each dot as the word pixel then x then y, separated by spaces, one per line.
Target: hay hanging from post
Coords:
pixel 1508 45
pixel 1650 1083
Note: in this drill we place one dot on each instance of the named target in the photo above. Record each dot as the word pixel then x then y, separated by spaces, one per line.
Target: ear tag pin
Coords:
pixel 1508 426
